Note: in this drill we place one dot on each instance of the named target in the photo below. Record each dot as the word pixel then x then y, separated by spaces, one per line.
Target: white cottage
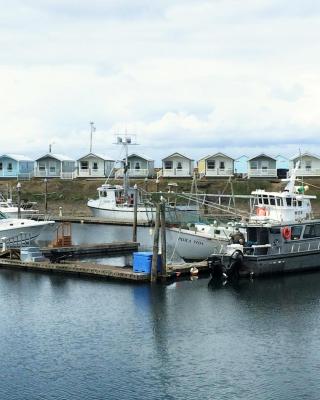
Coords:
pixel 177 165
pixel 309 164
pixel 94 165
pixel 217 165
pixel 139 166
pixel 55 166
pixel 262 166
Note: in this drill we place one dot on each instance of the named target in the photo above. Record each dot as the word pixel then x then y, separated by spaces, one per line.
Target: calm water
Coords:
pixel 69 338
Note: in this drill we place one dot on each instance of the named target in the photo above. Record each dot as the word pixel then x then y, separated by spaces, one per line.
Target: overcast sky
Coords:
pixel 238 76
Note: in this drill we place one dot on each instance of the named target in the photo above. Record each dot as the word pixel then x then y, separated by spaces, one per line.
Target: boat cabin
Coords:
pixel 113 195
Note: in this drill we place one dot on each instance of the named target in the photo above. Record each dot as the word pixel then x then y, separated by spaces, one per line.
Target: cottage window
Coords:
pixel 9 166
pixel 137 165
pixel 308 165
pixel 179 165
pixel 52 167
pixel 1 167
pixel 84 165
pixel 264 165
pixel 95 166
pixel 222 166
pixel 168 165
pixel 211 164
pixel 254 164
pixel 42 166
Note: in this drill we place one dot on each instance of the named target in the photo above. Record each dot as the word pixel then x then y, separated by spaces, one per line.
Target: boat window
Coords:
pixel 275 231
pixel 2 216
pixel 294 202
pixel 296 231
pixel 279 201
pixel 289 201
pixel 260 200
pixel 217 231
pixel 299 203
pixel 311 231
pixel 272 201
pixel 265 199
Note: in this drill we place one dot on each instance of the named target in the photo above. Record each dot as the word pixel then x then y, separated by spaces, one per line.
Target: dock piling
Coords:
pixel 135 214
pixel 163 238
pixel 154 268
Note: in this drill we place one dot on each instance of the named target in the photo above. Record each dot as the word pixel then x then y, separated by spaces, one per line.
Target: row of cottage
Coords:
pixel 93 165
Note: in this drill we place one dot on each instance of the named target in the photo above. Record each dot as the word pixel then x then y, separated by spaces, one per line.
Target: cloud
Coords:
pixel 189 76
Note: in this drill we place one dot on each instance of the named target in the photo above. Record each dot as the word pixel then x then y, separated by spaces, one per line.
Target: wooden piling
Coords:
pixel 154 269
pixel 163 239
pixel 135 214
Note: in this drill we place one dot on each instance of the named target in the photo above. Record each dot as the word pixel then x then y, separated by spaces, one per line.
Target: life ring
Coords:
pixel 261 212
pixel 286 232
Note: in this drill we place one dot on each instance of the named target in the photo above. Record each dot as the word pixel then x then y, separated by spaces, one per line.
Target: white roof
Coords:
pixel 103 157
pixel 216 155
pixel 306 153
pixel 177 154
pixel 59 157
pixel 140 156
pixel 17 157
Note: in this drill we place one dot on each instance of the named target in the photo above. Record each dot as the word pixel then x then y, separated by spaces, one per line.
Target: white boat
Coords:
pixel 16 232
pixel 116 202
pixel 198 242
pixel 112 204
pixel 11 210
pixel 290 205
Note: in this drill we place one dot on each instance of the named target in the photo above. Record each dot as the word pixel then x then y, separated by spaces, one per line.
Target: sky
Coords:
pixel 192 76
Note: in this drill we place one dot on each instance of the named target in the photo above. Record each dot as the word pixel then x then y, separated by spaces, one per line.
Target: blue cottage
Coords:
pixel 16 166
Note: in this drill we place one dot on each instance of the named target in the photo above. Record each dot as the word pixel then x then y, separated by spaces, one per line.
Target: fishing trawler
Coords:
pixel 11 210
pixel 281 236
pixel 116 202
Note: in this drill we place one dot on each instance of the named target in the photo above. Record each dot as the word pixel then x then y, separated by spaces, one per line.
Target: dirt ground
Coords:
pixel 73 195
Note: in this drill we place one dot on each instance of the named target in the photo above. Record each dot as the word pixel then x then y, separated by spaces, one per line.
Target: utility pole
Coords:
pixel 92 129
pixel 19 199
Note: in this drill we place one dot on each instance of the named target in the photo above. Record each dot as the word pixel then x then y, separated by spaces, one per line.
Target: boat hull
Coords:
pixel 194 246
pixel 144 214
pixel 22 232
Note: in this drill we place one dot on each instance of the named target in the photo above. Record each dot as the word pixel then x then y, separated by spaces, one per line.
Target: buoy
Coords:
pixel 194 271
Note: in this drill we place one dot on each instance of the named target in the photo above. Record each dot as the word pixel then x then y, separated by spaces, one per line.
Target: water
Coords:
pixel 72 339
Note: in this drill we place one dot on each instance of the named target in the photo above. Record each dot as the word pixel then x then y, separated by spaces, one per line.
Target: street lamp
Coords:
pixel 19 199
pixel 46 196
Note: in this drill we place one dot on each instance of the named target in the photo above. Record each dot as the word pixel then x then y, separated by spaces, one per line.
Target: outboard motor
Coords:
pixel 216 268
pixel 235 263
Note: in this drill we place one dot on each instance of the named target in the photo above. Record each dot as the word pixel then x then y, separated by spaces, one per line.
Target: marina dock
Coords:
pixel 90 220
pixel 55 253
pixel 100 271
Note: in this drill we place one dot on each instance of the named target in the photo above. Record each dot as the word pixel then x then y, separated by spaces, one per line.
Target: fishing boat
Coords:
pixel 11 210
pixel 281 236
pixel 16 231
pixel 200 240
pixel 116 202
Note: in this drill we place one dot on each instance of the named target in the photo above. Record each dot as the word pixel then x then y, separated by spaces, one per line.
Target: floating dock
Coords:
pixel 56 253
pixel 100 271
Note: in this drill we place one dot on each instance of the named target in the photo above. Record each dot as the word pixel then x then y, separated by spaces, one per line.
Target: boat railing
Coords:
pixel 17 241
pixel 303 246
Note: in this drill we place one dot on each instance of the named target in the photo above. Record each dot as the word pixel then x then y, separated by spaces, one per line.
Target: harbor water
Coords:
pixel 72 339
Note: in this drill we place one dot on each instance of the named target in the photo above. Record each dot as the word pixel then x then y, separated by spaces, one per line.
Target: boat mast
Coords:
pixel 125 169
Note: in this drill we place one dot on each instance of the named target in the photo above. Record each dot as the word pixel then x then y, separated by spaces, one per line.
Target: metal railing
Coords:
pixel 21 239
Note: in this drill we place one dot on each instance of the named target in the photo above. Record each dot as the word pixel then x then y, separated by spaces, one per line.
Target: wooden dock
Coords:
pixel 56 253
pixel 99 271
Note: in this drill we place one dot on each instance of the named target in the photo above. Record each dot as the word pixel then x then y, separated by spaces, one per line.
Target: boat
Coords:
pixel 116 202
pixel 200 240
pixel 281 236
pixel 16 232
pixel 11 210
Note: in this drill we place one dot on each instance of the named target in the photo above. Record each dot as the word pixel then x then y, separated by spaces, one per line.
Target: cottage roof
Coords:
pixel 17 157
pixel 59 157
pixel 217 155
pixel 144 157
pixel 306 153
pixel 101 156
pixel 177 154
pixel 262 155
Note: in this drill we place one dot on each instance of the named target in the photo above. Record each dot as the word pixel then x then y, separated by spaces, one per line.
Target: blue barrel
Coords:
pixel 142 262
